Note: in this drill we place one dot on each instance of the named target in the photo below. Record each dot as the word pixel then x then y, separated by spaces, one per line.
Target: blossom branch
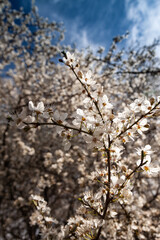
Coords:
pixel 92 208
pixel 108 199
pixel 152 72
pixel 147 205
pixel 134 171
pixel 37 124
pixel 88 93
pixel 133 124
pixel 125 211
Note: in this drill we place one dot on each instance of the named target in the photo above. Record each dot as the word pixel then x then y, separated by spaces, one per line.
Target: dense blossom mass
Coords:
pixel 80 139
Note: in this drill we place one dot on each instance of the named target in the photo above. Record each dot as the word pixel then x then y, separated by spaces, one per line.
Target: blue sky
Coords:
pixel 95 22
pixel 87 22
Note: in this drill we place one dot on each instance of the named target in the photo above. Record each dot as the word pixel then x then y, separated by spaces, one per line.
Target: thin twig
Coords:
pixel 88 93
pixel 37 124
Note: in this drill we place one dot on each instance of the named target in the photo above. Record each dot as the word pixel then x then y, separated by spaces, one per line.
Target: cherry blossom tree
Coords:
pixel 79 138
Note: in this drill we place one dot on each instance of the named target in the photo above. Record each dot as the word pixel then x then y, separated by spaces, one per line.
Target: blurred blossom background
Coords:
pixel 95 22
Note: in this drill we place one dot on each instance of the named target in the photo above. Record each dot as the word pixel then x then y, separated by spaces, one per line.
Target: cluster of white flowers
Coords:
pixel 42 216
pixel 148 167
pixel 102 168
pixel 102 131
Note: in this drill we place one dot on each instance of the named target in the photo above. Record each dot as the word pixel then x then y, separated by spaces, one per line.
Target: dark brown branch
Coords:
pixel 37 124
pixel 134 171
pixel 92 208
pixel 152 72
pixel 125 211
pixel 146 205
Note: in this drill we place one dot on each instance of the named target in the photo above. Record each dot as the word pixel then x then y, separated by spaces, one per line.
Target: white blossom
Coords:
pixel 38 109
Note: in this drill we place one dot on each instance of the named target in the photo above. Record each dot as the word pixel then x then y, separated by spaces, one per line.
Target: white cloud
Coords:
pixel 144 16
pixel 81 38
